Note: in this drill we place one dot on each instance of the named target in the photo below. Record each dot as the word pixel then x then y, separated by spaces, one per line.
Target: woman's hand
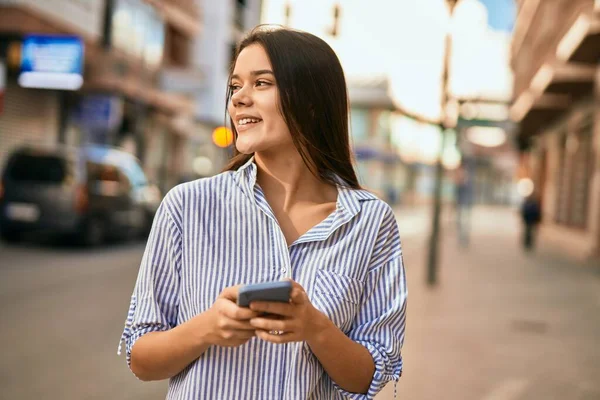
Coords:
pixel 228 324
pixel 295 321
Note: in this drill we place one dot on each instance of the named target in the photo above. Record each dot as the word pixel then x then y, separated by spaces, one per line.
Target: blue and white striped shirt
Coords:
pixel 220 231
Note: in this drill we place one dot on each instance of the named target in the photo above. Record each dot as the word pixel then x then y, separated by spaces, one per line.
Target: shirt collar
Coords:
pixel 349 199
pixel 246 177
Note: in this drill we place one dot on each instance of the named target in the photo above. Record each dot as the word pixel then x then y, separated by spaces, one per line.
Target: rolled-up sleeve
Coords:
pixel 155 300
pixel 380 323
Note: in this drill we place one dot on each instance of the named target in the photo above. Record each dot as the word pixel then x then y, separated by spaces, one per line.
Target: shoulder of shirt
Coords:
pixel 369 199
pixel 173 199
pixel 371 205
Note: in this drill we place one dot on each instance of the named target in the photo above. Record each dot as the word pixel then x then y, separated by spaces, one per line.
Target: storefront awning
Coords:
pixel 566 77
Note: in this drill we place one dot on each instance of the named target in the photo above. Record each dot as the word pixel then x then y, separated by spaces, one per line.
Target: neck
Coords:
pixel 286 180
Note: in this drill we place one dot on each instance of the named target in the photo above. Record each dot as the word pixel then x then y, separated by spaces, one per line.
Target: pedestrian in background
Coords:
pixel 289 206
pixel 531 215
pixel 464 202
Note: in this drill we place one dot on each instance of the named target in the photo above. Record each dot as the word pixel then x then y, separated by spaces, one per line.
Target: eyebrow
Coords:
pixel 255 73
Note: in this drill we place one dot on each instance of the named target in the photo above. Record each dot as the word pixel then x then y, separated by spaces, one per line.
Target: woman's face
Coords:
pixel 254 104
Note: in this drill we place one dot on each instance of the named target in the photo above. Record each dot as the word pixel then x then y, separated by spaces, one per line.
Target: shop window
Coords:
pixel 562 182
pixel 575 171
pixel 178 48
pixel 581 176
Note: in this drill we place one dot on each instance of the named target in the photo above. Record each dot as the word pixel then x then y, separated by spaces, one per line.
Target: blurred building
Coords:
pixel 485 138
pixel 224 24
pixel 371 110
pixel 555 53
pixel 128 64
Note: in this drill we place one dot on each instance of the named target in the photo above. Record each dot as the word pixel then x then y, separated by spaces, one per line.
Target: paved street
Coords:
pixel 62 313
pixel 500 326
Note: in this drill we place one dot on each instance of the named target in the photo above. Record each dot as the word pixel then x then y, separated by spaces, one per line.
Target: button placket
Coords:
pixel 282 256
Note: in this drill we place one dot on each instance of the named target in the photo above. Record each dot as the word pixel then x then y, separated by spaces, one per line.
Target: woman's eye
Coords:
pixel 234 88
pixel 262 83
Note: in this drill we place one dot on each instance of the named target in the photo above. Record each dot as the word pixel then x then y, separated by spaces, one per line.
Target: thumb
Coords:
pixel 298 296
pixel 230 293
pixel 296 285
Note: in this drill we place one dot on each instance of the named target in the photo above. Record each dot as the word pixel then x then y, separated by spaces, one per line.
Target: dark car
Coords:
pixel 89 193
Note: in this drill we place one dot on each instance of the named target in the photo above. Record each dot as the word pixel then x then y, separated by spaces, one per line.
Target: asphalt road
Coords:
pixel 62 311
pixel 501 325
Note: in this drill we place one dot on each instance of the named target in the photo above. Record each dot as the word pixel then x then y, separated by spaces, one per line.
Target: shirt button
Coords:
pixel 283 270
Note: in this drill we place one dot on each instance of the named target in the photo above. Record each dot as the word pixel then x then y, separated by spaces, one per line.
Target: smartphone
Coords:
pixel 269 291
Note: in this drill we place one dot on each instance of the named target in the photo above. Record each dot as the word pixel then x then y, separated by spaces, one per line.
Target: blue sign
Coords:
pixel 98 111
pixel 52 62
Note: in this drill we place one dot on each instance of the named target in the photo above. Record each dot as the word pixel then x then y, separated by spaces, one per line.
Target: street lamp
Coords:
pixel 444 124
pixel 287 13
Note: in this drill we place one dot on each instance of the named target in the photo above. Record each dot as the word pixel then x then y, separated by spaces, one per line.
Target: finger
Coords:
pixel 232 311
pixel 273 307
pixel 298 296
pixel 277 339
pixel 244 334
pixel 296 285
pixel 232 324
pixel 235 335
pixel 234 343
pixel 230 293
pixel 271 324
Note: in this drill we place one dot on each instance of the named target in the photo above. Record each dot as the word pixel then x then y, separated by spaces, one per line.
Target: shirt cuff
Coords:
pixel 384 373
pixel 135 334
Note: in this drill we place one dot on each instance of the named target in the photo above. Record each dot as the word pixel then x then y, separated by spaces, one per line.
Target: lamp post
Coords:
pixel 287 13
pixel 432 260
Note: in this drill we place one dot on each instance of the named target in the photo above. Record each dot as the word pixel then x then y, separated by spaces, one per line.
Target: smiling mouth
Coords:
pixel 247 123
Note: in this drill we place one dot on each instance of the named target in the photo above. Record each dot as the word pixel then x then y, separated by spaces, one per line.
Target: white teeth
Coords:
pixel 245 121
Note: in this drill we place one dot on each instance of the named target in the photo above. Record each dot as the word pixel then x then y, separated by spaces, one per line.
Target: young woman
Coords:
pixel 289 206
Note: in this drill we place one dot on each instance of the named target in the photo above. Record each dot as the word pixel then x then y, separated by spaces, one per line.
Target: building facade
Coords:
pixel 225 23
pixel 127 47
pixel 555 55
pixel 371 118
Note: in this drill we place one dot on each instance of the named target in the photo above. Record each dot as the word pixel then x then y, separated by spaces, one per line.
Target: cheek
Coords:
pixel 271 108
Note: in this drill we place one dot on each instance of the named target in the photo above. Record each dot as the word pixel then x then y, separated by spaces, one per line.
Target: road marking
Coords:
pixel 509 390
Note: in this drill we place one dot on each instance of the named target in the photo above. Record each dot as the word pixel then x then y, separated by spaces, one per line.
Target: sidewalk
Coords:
pixel 501 324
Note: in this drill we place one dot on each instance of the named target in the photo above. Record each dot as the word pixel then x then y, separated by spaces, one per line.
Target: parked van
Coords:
pixel 90 193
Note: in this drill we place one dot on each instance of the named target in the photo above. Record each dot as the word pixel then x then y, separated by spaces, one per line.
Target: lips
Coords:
pixel 247 123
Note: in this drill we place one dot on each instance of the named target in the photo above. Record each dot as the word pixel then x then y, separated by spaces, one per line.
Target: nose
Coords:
pixel 241 98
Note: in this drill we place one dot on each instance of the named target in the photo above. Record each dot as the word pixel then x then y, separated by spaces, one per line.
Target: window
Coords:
pixel 581 176
pixel 575 171
pixel 359 125
pixel 238 19
pixel 562 180
pixel 178 48
pixel 138 30
pixel 39 169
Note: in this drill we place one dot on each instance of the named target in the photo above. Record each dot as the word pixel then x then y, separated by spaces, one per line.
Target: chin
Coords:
pixel 244 148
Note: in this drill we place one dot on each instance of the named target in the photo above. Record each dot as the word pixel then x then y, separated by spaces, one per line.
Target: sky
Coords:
pixel 501 14
pixel 404 40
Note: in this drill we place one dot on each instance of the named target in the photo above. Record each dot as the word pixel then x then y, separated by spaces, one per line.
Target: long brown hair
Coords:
pixel 313 101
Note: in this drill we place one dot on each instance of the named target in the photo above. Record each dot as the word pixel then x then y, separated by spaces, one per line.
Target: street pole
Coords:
pixel 432 260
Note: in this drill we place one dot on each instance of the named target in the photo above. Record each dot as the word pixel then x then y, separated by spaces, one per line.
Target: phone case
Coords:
pixel 268 291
